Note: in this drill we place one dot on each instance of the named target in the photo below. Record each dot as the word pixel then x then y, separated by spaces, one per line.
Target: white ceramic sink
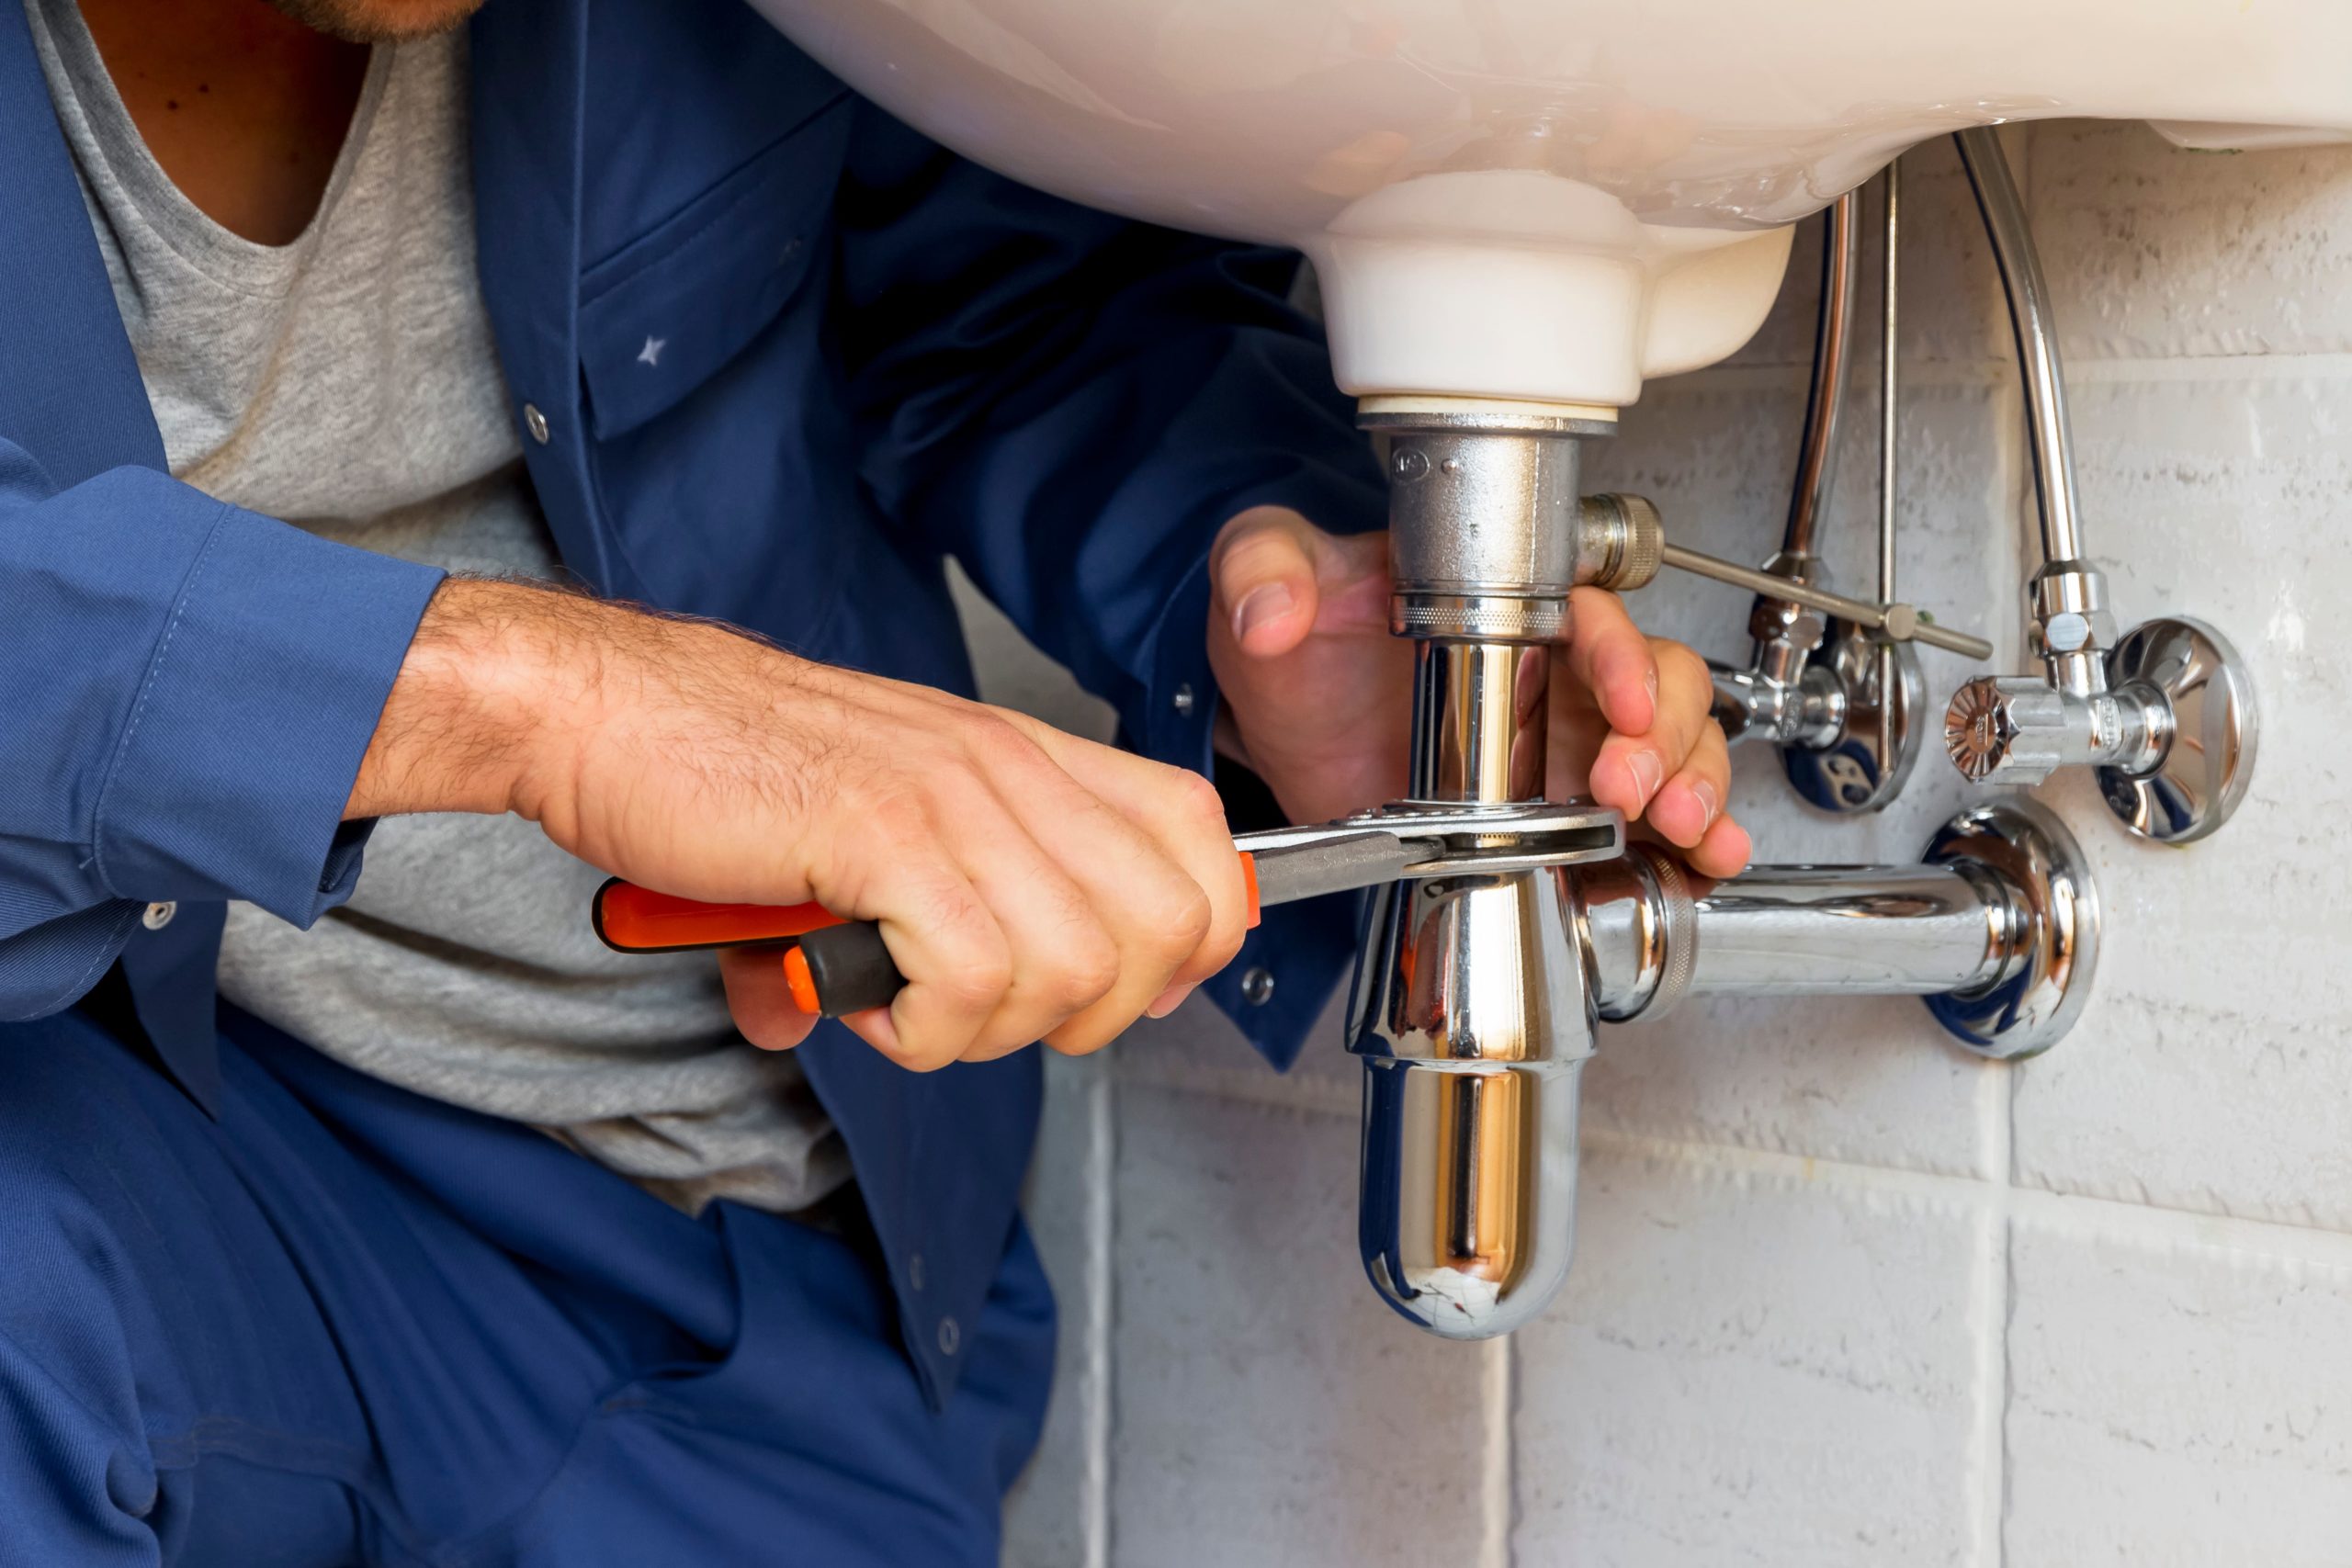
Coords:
pixel 1546 199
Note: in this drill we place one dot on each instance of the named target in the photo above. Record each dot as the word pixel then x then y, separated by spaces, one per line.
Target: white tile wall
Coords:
pixel 1359 1436
pixel 1843 1295
pixel 2180 1394
pixel 1753 1362
pixel 2159 253
pixel 2212 1074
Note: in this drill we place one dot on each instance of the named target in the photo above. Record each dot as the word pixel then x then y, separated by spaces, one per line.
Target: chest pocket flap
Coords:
pixel 661 315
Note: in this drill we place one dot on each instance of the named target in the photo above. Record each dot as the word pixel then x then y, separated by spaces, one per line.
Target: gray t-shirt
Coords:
pixel 347 383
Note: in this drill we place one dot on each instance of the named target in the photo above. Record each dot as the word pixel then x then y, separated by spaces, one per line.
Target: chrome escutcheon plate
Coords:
pixel 2057 934
pixel 2207 767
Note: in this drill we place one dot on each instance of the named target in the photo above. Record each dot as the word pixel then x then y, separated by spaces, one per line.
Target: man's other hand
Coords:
pixel 1317 695
pixel 1031 886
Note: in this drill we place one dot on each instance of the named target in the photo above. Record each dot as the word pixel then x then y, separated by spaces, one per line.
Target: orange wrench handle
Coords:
pixel 638 920
pixel 629 918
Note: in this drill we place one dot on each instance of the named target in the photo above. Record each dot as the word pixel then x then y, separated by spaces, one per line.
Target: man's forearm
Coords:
pixel 494 670
pixel 1032 886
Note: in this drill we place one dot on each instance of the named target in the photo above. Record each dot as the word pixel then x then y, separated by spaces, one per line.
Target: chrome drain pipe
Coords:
pixel 1997 926
pixel 1471 1009
pixel 1478 996
pixel 1478 1000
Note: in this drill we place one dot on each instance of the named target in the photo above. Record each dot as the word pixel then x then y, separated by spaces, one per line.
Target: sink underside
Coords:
pixel 1563 141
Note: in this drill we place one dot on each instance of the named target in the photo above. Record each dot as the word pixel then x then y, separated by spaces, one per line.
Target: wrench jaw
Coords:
pixel 1433 839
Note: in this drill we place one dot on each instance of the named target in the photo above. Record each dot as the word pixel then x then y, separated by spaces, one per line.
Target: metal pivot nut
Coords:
pixel 1620 542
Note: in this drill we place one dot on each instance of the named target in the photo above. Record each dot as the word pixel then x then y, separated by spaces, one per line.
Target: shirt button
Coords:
pixel 1183 698
pixel 1258 986
pixel 158 916
pixel 535 423
pixel 915 1271
pixel 950 1337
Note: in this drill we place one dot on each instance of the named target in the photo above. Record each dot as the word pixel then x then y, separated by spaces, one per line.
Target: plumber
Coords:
pixel 526 445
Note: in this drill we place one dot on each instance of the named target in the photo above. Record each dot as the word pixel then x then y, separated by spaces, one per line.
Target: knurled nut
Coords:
pixel 1645 549
pixel 1679 909
pixel 1491 617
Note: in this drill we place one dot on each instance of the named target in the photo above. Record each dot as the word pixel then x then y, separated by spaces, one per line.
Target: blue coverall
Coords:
pixel 259 1310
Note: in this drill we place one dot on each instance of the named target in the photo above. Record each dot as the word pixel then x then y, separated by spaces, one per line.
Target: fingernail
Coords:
pixel 1649 682
pixel 1260 605
pixel 1648 774
pixel 1703 791
pixel 1169 1001
pixel 1747 849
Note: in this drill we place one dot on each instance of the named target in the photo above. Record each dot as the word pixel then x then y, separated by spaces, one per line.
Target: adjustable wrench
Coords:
pixel 835 967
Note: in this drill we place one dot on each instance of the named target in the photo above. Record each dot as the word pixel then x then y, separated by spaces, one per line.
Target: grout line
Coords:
pixel 1499 1470
pixel 2282 1241
pixel 1922 373
pixel 2285 1239
pixel 1094 1528
pixel 1260 1084
pixel 2212 367
pixel 1992 1282
pixel 1741 1159
pixel 1987 1439
pixel 1990 1289
pixel 2081 368
pixel 2268 1241
pixel 2001 1484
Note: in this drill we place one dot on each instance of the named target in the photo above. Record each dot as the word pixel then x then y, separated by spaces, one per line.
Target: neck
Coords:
pixel 243 107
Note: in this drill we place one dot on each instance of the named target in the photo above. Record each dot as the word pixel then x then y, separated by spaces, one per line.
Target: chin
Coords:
pixel 379 21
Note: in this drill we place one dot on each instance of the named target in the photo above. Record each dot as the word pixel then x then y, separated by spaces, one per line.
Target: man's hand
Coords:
pixel 1319 695
pixel 1030 885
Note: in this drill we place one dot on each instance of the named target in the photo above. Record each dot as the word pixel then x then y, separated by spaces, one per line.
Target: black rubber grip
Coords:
pixel 851 969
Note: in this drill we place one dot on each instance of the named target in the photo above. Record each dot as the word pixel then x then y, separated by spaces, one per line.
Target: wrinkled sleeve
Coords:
pixel 1071 405
pixel 186 690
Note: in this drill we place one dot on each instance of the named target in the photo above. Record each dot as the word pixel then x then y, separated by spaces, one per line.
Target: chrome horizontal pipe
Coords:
pixel 1832 930
pixel 1657 935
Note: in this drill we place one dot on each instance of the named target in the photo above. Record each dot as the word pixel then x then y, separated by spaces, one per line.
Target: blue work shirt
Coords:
pixel 873 356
